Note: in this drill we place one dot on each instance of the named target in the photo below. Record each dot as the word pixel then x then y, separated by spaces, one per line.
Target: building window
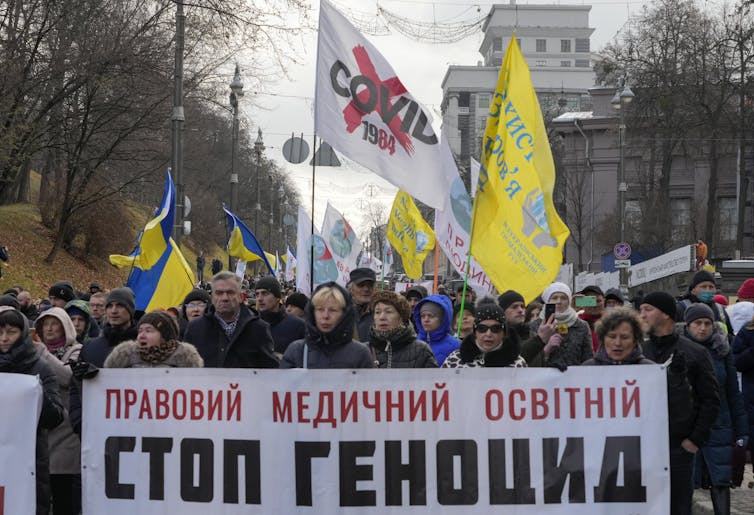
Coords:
pixel 483 101
pixel 728 220
pixel 482 123
pixel 464 98
pixel 565 45
pixel 497 44
pixel 565 64
pixel 497 61
pixel 680 220
pixel 582 45
pixel 582 63
pixel 541 45
pixel 541 63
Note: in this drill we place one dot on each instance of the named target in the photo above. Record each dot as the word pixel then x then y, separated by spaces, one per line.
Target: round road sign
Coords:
pixel 622 250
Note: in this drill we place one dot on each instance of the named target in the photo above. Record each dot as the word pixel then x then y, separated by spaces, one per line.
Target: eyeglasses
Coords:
pixel 196 305
pixel 483 328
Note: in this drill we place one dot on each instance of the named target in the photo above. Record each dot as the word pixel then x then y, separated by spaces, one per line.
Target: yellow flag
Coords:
pixel 517 235
pixel 411 236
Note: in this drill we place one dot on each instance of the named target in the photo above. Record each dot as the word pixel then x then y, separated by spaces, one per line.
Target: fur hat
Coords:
pixel 700 277
pixel 124 297
pixel 62 290
pixel 163 323
pixel 506 299
pixel 697 311
pixel 394 299
pixel 271 284
pixel 662 301
pixel 556 288
pixel 746 291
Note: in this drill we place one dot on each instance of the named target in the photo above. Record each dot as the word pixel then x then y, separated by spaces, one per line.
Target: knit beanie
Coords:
pixel 556 288
pixel 270 284
pixel 124 297
pixel 297 299
pixel 163 322
pixel 662 301
pixel 487 309
pixel 62 290
pixel 746 291
pixel 720 299
pixel 697 311
pixel 433 308
pixel 417 291
pixel 506 299
pixel 197 294
pixel 700 277
pixel 78 307
pixel 10 300
pixel 393 299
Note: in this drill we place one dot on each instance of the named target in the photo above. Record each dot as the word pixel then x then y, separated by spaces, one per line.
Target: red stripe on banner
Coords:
pixel 2 500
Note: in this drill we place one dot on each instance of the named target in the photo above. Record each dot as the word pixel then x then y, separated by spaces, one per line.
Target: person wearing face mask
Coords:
pixel 702 289
pixel 713 462
pixel 491 344
pixel 571 344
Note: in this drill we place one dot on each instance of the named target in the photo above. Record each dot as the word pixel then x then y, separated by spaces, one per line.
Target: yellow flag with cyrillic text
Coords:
pixel 517 235
pixel 411 236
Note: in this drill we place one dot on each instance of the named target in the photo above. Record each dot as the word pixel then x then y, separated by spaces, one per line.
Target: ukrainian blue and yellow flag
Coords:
pixel 243 244
pixel 160 276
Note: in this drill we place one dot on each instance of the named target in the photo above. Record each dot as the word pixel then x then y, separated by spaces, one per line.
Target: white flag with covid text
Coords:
pixel 466 441
pixel 363 110
pixel 21 399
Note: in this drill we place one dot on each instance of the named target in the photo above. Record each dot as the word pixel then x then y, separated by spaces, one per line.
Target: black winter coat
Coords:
pixel 26 358
pixel 96 352
pixel 250 346
pixel 693 398
pixel 743 356
pixel 284 328
pixel 716 455
pixel 334 349
pixel 401 349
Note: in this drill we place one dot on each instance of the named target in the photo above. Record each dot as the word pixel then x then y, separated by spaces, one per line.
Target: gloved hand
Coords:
pixel 83 370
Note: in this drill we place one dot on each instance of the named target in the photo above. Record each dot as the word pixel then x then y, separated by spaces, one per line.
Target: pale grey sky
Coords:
pixel 288 106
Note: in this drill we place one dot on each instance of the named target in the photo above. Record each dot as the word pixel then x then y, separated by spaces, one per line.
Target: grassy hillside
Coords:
pixel 29 242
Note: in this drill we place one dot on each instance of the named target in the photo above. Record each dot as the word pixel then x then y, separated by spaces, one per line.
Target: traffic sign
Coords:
pixel 622 250
pixel 622 263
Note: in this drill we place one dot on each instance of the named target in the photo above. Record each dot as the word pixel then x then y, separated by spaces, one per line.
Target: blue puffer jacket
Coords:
pixel 716 454
pixel 743 355
pixel 440 340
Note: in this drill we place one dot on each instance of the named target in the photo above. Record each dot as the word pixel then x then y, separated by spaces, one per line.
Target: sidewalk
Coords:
pixel 741 499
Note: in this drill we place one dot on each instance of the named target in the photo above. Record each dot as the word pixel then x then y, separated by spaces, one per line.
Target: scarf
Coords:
pixel 57 347
pixel 603 359
pixel 565 319
pixel 158 354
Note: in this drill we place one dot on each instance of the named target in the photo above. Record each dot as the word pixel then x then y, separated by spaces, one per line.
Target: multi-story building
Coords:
pixel 554 40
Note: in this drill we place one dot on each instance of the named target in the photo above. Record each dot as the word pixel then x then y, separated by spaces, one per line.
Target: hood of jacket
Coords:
pixel 59 314
pixel 342 333
pixel 22 355
pixel 444 328
pixel 84 307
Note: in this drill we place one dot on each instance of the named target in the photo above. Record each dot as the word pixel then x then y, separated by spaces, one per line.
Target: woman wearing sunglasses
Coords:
pixel 490 344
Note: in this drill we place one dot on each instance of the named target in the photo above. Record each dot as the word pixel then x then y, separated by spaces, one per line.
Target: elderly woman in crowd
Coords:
pixel 194 305
pixel 20 355
pixel 392 339
pixel 156 346
pixel 329 343
pixel 713 465
pixel 619 333
pixel 491 344
pixel 55 329
pixel 572 342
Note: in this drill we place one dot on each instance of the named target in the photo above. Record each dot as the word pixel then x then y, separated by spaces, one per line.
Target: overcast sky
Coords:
pixel 420 66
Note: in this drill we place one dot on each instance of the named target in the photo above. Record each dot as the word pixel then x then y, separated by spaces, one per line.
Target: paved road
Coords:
pixel 741 499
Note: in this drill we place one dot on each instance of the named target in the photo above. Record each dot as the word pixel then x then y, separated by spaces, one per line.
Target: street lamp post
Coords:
pixel 623 97
pixel 176 121
pixel 236 92
pixel 258 149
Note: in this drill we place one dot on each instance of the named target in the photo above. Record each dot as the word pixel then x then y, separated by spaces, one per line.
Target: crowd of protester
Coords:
pixel 262 322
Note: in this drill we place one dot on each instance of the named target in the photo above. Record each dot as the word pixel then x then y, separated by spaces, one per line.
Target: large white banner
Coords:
pixel 592 440
pixel 364 111
pixel 21 401
pixel 673 262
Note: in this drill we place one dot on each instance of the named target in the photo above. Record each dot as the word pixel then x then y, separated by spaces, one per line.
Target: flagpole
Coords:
pixel 311 238
pixel 437 267
pixel 468 263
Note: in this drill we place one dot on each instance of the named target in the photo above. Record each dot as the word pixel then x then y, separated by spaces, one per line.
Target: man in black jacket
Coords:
pixel 230 335
pixel 693 400
pixel 285 328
